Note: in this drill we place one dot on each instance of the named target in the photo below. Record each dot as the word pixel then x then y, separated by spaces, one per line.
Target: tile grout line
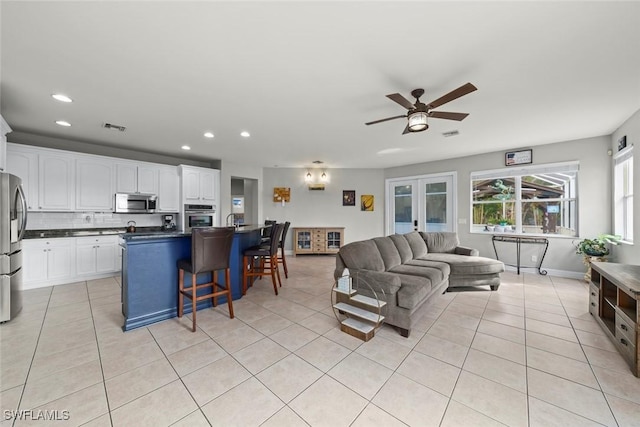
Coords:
pixel 24 386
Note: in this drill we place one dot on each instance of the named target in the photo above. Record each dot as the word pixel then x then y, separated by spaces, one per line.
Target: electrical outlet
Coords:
pixel 534 258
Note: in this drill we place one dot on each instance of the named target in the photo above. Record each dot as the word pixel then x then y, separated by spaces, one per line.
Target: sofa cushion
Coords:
pixel 468 265
pixel 441 242
pixel 417 244
pixel 442 266
pixel 413 289
pixel 363 255
pixel 403 247
pixel 435 275
pixel 388 252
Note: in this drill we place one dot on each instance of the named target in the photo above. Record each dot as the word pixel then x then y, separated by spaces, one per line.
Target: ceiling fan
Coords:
pixel 417 113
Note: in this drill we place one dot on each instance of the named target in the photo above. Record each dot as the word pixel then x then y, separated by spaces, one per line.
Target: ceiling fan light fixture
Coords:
pixel 418 122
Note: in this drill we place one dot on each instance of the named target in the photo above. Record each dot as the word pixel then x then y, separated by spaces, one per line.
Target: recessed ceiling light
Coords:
pixel 245 134
pixel 62 98
pixel 186 147
pixel 63 123
pixel 208 134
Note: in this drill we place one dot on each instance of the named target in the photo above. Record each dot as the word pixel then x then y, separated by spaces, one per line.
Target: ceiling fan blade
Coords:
pixel 396 97
pixel 387 119
pixel 447 115
pixel 406 129
pixel 454 94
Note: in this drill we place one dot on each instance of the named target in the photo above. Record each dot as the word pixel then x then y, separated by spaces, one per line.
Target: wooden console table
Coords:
pixel 317 240
pixel 519 240
pixel 614 301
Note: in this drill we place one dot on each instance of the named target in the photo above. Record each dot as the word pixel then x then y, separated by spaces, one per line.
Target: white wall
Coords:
pixel 594 199
pixel 324 208
pixel 630 254
pixel 234 170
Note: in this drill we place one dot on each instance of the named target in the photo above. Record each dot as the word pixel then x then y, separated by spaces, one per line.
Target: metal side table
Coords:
pixel 520 240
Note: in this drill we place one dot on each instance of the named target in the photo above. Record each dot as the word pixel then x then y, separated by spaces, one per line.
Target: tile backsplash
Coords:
pixel 64 220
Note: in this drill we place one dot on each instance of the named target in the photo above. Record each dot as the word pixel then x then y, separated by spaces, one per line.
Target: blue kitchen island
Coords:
pixel 150 273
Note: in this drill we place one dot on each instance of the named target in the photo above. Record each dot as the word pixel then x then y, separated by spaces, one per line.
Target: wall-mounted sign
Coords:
pixel 521 157
pixel 622 143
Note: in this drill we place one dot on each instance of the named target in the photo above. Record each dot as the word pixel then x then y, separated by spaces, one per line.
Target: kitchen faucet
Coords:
pixel 233 220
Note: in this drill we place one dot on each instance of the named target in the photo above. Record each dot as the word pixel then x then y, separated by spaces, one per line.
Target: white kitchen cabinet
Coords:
pixel 4 130
pixel 56 182
pixel 96 255
pixel 168 190
pixel 94 184
pixel 136 178
pixel 199 185
pixel 48 261
pixel 23 162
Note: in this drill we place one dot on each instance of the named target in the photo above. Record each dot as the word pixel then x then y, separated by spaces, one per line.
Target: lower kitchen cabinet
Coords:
pixel 96 255
pixel 50 261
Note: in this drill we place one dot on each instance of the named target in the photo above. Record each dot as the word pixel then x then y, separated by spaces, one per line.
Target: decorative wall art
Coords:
pixel 522 157
pixel 348 197
pixel 281 194
pixel 622 143
pixel 366 202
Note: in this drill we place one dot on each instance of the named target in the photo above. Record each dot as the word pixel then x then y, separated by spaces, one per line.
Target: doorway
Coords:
pixel 244 200
pixel 423 203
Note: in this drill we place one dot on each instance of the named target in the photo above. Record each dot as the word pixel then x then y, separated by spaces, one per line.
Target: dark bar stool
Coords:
pixel 281 258
pixel 267 260
pixel 210 252
pixel 266 232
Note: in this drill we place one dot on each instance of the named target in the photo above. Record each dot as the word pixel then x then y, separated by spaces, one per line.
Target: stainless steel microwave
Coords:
pixel 136 203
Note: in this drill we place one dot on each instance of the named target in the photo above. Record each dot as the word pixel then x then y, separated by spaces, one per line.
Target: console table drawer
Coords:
pixel 628 350
pixel 593 305
pixel 625 328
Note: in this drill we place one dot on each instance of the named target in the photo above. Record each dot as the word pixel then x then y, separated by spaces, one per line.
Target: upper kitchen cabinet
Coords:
pixel 56 182
pixel 94 184
pixel 4 130
pixel 199 185
pixel 136 178
pixel 22 161
pixel 168 189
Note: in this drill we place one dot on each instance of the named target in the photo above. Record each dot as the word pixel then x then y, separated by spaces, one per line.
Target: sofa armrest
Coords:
pixel 388 283
pixel 463 250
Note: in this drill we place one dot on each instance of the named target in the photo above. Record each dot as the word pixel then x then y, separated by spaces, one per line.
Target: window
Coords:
pixel 527 200
pixel 623 194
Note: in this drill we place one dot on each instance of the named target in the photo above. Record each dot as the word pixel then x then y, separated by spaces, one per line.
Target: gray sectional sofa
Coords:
pixel 408 270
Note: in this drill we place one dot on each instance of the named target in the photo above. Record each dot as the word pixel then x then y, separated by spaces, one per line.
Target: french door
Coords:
pixel 424 203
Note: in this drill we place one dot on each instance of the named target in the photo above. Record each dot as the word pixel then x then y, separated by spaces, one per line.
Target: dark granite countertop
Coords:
pixel 81 232
pixel 140 233
pixel 149 235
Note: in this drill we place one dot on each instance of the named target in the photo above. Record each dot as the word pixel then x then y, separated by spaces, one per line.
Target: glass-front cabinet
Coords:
pixel 317 240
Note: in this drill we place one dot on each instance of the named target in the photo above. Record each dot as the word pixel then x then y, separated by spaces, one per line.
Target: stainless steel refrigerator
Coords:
pixel 13 222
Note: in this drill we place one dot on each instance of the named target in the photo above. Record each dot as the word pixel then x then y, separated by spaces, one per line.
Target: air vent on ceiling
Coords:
pixel 450 133
pixel 114 127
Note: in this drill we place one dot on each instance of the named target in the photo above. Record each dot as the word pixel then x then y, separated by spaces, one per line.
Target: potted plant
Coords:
pixel 597 247
pixel 595 250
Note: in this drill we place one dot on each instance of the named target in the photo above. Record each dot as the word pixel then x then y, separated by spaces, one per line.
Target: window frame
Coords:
pixel 517 173
pixel 622 182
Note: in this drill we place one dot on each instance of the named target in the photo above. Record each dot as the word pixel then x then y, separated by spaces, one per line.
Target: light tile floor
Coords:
pixel 527 355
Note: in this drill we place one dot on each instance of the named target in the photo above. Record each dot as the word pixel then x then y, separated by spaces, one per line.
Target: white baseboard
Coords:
pixel 551 272
pixel 67 280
